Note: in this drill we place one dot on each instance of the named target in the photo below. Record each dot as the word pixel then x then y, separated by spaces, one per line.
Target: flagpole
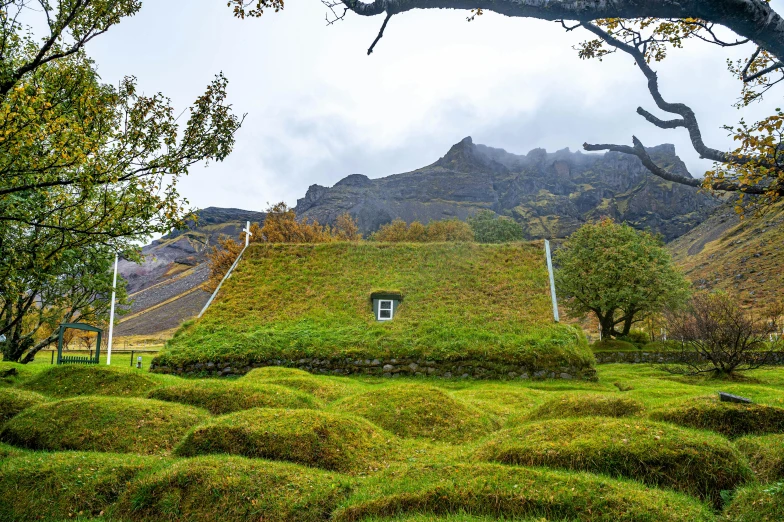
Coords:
pixel 111 313
pixel 552 279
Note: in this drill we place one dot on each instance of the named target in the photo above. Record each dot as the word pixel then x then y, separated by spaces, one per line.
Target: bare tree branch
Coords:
pixel 754 20
pixel 380 34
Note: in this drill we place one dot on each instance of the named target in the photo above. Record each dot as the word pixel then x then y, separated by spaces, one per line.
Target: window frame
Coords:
pixel 391 310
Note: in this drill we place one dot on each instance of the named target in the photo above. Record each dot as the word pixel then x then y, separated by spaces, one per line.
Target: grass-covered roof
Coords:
pixel 462 301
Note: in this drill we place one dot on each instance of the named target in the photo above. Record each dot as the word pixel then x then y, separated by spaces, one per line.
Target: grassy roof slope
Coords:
pixel 460 301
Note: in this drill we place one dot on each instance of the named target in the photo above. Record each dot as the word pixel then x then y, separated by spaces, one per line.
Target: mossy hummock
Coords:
pixel 419 411
pixel 313 438
pixel 109 424
pixel 308 306
pixel 655 453
pixel 730 419
pixel 220 397
pixel 515 493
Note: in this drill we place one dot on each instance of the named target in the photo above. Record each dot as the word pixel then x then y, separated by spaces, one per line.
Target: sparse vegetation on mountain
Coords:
pixel 618 274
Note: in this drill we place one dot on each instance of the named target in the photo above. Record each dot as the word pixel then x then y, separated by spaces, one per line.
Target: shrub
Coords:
pixel 220 397
pixel 488 227
pixel 62 486
pixel 586 405
pixel 729 419
pixel 613 345
pixel 757 504
pixel 232 489
pixel 654 453
pixel 72 380
pixel 102 424
pixel 514 493
pixel 435 231
pixel 721 337
pixel 13 401
pixel 765 454
pixel 419 411
pixel 313 438
pixel 636 337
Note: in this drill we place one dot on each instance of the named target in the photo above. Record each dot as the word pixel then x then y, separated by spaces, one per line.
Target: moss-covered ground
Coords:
pixel 636 445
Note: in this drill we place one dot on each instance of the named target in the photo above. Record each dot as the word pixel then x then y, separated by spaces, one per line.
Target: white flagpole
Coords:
pixel 552 279
pixel 111 313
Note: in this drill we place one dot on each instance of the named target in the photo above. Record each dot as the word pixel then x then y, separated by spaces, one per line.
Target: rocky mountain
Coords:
pixel 167 287
pixel 549 194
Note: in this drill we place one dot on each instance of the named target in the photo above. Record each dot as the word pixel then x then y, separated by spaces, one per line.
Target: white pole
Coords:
pixel 111 313
pixel 247 233
pixel 552 279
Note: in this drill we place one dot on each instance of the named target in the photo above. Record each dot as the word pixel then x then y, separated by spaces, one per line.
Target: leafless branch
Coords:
pixel 380 33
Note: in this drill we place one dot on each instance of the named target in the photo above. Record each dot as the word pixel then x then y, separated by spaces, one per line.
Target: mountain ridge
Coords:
pixel 549 194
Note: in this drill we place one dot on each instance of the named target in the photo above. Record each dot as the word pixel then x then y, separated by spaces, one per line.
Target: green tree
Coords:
pixel 489 227
pixel 617 273
pixel 86 169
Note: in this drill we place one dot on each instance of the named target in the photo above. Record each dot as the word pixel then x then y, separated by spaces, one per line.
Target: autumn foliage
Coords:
pixel 436 231
pixel 280 226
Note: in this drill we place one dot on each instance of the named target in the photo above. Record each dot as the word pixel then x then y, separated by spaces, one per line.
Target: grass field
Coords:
pixel 313 301
pixel 116 444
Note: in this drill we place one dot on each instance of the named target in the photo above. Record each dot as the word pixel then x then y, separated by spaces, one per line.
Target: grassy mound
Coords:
pixel 220 397
pixel 313 438
pixel 13 373
pixel 63 486
pixel 232 489
pixel 108 424
pixel 503 491
pixel 765 454
pixel 586 405
pixel 288 302
pixel 13 401
pixel 654 453
pixel 275 372
pixel 73 380
pixel 325 388
pixel 757 504
pixel 614 345
pixel 7 451
pixel 455 517
pixel 413 410
pixel 729 419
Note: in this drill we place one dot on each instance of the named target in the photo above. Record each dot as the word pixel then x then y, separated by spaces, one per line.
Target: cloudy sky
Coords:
pixel 318 108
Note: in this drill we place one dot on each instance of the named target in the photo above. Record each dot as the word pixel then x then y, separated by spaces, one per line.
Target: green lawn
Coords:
pixel 281 444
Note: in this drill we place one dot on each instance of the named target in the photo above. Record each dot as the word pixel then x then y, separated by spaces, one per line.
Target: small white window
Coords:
pixel 384 310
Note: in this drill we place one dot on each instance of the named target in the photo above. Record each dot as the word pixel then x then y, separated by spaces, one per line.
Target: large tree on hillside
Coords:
pixel 86 169
pixel 617 273
pixel 646 30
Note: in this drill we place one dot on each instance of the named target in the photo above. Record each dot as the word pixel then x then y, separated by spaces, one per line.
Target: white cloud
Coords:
pixel 319 108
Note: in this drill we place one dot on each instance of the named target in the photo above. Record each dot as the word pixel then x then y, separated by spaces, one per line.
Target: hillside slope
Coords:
pixel 549 194
pixel 166 288
pixel 744 256
pixel 460 302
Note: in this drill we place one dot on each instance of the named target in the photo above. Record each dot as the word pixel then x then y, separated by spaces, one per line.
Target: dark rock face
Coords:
pixel 549 194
